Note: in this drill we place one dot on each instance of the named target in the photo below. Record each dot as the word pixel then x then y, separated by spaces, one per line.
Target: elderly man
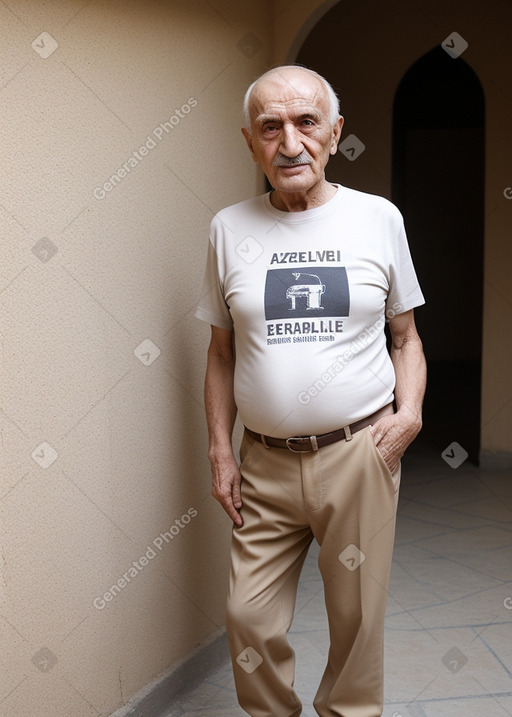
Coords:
pixel 298 286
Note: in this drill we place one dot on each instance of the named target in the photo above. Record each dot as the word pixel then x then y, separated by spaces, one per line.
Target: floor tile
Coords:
pixel 448 625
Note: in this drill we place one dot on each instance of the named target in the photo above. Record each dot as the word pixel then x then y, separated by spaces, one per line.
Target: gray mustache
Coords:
pixel 281 160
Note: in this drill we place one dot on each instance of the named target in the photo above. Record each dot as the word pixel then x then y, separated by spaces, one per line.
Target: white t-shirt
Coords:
pixel 306 295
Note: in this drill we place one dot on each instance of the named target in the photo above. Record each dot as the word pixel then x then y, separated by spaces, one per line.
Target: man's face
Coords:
pixel 289 112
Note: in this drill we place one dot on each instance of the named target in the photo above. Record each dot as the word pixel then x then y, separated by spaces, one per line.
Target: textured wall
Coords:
pixel 120 138
pixel 117 147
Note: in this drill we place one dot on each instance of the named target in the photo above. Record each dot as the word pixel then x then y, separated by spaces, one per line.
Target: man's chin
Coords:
pixel 298 182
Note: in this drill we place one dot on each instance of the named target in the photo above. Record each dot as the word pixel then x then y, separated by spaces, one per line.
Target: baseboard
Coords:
pixel 162 697
pixel 496 460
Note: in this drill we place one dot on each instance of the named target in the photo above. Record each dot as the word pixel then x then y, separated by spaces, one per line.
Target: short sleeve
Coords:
pixel 212 306
pixel 404 289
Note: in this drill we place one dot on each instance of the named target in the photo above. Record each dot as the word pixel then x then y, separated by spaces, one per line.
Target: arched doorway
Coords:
pixel 438 184
pixel 436 177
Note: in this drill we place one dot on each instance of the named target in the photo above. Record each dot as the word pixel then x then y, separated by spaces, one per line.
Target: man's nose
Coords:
pixel 291 142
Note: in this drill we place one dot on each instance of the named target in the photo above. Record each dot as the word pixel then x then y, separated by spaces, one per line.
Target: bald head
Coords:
pixel 293 126
pixel 291 81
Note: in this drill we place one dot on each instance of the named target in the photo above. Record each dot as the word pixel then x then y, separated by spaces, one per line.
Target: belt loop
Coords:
pixel 314 443
pixel 348 433
pixel 264 441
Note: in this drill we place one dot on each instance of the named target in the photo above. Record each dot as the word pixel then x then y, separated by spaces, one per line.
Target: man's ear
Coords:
pixel 336 134
pixel 248 139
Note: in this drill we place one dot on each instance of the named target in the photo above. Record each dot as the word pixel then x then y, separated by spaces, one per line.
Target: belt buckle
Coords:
pixel 313 445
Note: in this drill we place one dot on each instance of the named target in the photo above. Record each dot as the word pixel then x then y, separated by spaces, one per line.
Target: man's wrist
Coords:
pixel 411 415
pixel 220 449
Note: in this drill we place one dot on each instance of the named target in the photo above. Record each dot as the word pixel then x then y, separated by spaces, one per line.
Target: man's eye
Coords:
pixel 308 122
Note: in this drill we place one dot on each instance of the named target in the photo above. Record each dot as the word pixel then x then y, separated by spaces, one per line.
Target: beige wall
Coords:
pixel 128 433
pixel 378 42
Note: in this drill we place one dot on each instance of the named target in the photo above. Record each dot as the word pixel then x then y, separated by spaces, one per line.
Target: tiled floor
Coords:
pixel 448 644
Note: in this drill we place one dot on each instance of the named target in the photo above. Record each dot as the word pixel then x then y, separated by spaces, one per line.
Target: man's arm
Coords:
pixel 393 434
pixel 220 416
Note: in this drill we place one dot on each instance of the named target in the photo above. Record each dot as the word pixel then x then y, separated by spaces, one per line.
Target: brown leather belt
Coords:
pixel 303 444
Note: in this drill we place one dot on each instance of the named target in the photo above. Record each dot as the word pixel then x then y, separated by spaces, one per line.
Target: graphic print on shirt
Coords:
pixel 311 288
pixel 308 292
pixel 317 293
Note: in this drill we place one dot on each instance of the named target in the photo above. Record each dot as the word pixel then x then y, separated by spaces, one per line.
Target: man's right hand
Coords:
pixel 220 414
pixel 226 480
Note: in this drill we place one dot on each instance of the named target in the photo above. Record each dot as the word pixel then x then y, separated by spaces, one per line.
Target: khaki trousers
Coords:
pixel 345 497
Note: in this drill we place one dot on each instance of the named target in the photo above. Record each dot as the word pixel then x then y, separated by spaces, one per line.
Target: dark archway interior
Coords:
pixel 438 184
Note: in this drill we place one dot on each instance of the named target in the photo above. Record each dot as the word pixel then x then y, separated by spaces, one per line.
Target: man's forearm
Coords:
pixel 220 415
pixel 219 402
pixel 393 434
pixel 411 377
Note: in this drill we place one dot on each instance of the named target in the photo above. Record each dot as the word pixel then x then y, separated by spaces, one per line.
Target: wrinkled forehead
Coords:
pixel 286 93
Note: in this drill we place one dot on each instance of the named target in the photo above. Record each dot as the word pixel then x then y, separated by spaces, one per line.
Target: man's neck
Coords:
pixel 301 201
